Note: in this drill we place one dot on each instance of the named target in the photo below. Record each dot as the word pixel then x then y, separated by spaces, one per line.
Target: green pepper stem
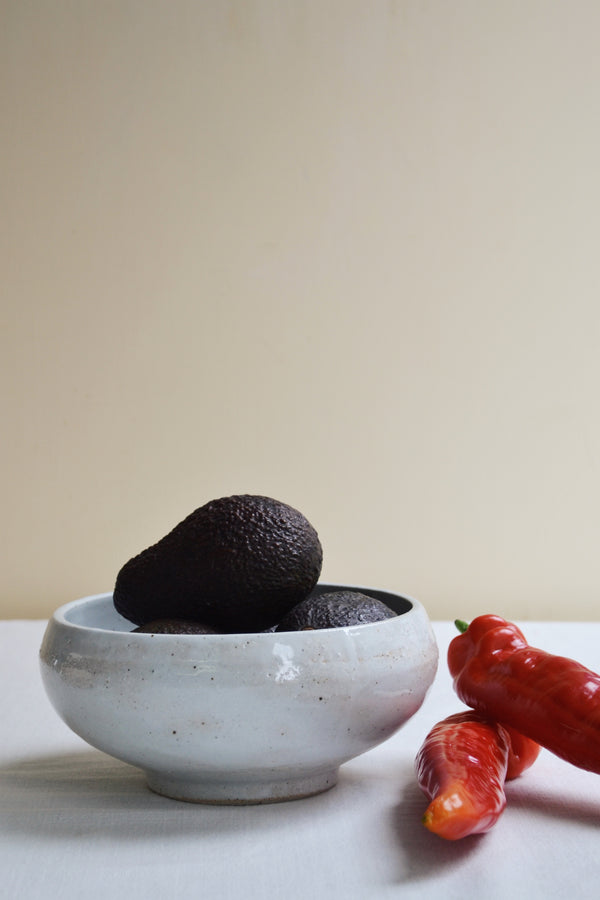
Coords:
pixel 461 625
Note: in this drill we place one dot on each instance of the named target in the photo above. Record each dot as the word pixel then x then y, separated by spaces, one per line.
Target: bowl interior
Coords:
pixel 99 612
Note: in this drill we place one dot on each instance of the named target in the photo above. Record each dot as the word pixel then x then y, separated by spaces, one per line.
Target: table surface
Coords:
pixel 76 823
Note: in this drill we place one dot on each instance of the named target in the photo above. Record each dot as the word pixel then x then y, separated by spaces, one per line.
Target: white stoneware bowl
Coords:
pixel 237 718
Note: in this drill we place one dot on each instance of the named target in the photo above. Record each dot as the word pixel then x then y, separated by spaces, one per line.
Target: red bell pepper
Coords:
pixel 553 700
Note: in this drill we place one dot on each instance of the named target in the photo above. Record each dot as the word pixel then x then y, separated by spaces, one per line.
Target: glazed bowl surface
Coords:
pixel 237 718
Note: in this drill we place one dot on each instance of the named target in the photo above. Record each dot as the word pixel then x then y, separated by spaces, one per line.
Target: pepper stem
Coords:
pixel 461 625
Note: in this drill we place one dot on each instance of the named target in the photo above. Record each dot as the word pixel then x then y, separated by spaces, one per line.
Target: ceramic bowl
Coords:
pixel 237 718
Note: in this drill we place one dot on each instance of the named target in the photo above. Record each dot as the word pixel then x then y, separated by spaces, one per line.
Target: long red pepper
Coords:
pixel 523 752
pixel 553 700
pixel 462 766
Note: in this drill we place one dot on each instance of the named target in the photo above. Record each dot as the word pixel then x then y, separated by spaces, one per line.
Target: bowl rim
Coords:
pixel 60 617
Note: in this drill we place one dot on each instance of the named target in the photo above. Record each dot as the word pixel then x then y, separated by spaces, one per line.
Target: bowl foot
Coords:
pixel 234 793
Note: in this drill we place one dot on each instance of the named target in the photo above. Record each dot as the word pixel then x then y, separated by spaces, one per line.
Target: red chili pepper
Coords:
pixel 523 752
pixel 552 700
pixel 461 767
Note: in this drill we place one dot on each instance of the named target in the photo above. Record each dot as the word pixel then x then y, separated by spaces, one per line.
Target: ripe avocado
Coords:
pixel 175 626
pixel 237 564
pixel 335 609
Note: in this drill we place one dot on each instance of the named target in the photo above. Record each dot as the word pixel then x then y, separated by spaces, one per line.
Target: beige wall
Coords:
pixel 342 253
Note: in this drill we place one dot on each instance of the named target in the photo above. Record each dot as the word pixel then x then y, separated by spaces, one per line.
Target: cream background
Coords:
pixel 341 253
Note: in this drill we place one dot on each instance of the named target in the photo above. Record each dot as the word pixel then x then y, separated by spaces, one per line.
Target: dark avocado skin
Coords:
pixel 238 564
pixel 175 626
pixel 335 609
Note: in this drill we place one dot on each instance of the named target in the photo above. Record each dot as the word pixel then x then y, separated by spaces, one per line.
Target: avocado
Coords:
pixel 335 609
pixel 175 626
pixel 237 564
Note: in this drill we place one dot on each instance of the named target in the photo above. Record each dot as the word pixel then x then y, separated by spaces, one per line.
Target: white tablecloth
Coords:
pixel 75 823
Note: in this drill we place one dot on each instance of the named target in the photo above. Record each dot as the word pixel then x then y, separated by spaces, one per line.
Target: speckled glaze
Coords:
pixel 237 718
